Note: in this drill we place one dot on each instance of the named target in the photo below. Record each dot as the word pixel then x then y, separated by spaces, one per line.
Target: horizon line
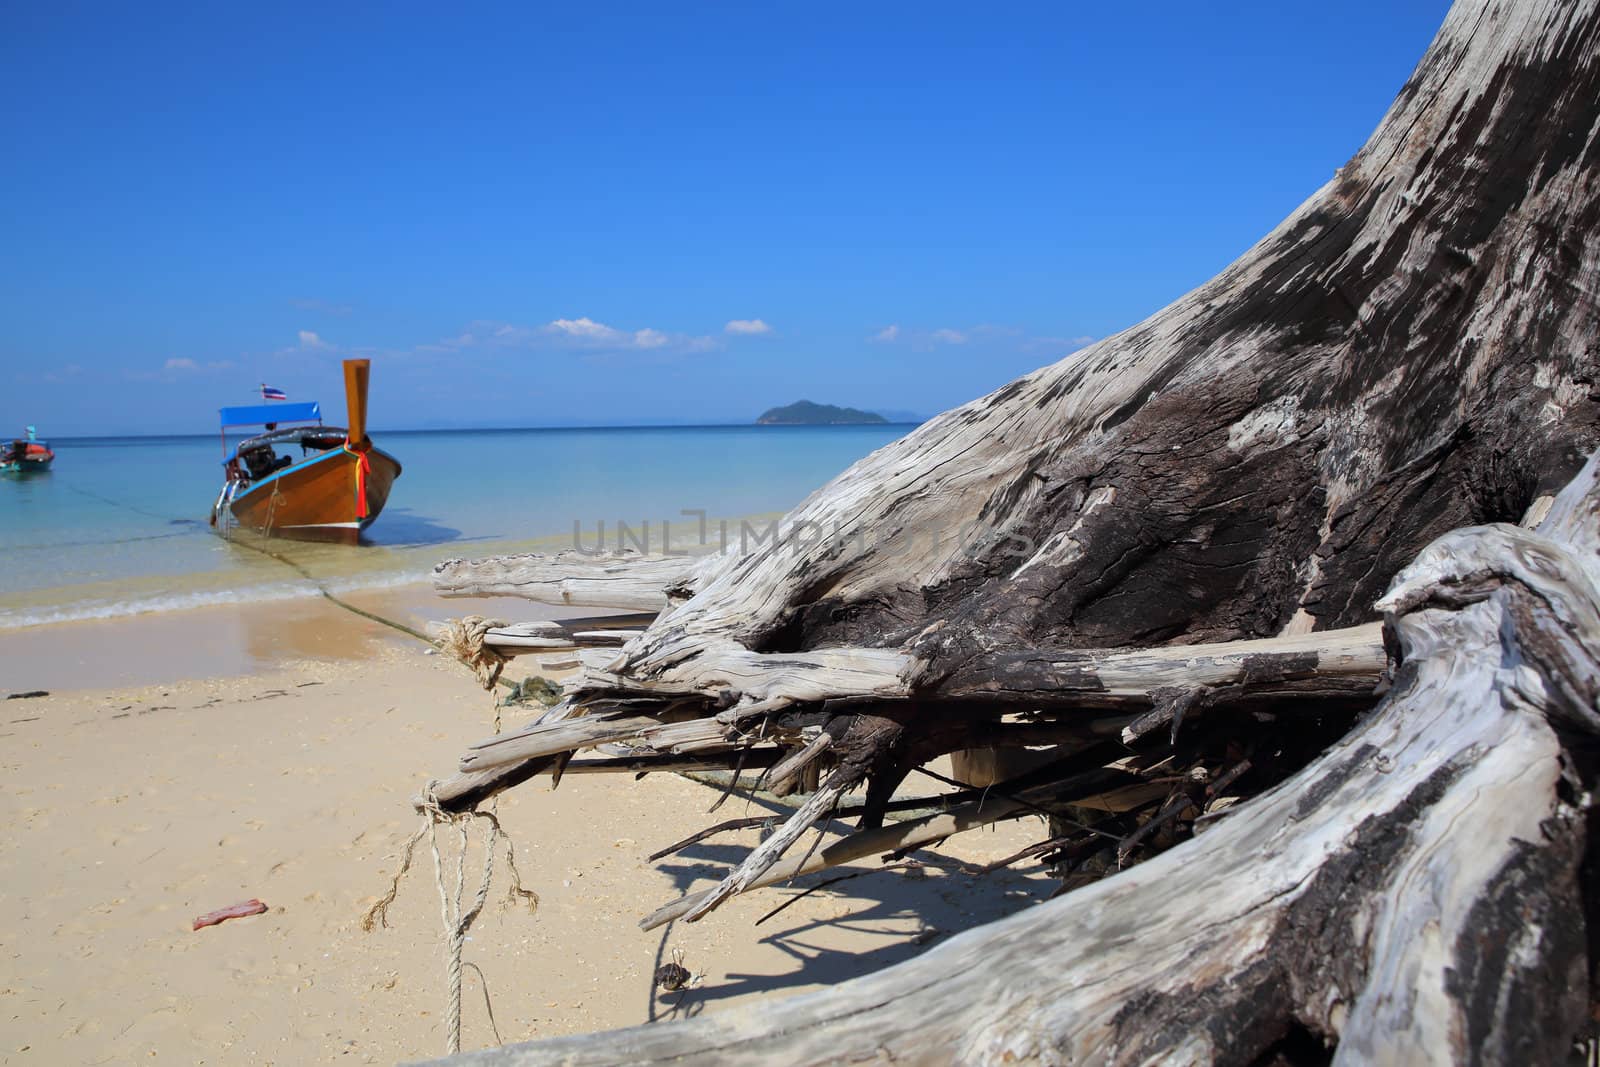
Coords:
pixel 525 429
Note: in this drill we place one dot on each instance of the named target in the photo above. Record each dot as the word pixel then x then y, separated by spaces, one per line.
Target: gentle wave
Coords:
pixel 394 568
pixel 290 589
pixel 99 609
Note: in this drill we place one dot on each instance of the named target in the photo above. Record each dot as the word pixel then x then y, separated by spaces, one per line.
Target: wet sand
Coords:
pixel 184 763
pixel 230 640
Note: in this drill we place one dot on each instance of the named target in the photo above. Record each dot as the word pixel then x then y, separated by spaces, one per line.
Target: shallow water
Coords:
pixel 118 526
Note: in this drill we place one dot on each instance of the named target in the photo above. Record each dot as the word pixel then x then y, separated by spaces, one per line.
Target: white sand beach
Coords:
pixel 186 762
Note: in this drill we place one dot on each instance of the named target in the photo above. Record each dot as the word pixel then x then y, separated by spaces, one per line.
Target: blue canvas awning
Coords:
pixel 258 414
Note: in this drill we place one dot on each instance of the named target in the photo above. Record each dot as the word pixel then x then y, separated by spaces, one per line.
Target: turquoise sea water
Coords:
pixel 119 525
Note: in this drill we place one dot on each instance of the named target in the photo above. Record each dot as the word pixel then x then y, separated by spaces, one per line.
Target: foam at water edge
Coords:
pixel 100 609
pixel 352 583
pixel 289 590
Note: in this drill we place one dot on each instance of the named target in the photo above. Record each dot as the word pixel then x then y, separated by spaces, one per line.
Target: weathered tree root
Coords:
pixel 1410 897
pixel 1412 352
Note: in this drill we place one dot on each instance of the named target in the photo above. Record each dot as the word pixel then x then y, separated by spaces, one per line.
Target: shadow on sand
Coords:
pixel 905 912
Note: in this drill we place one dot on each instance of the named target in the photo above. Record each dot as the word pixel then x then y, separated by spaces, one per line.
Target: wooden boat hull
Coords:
pixel 317 498
pixel 30 465
pixel 25 457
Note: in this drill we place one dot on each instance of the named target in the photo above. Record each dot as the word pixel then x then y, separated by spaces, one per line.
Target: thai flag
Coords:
pixel 269 393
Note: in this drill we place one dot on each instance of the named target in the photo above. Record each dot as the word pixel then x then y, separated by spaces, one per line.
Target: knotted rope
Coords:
pixel 464 639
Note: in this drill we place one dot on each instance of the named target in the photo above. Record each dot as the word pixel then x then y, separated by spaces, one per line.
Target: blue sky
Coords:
pixel 624 214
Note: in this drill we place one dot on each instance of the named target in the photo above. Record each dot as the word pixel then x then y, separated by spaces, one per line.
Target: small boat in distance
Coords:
pixel 331 491
pixel 26 456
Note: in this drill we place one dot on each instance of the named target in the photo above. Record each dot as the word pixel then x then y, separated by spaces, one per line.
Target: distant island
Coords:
pixel 805 413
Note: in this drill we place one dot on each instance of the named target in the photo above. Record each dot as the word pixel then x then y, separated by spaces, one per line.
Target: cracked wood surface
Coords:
pixel 569 578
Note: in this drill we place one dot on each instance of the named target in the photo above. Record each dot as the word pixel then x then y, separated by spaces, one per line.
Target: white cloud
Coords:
pixel 581 334
pixel 308 339
pixel 181 364
pixel 747 326
pixel 584 329
pixel 578 333
pixel 587 332
pixel 943 336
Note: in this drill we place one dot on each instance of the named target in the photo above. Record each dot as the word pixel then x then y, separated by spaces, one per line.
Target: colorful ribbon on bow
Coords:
pixel 363 468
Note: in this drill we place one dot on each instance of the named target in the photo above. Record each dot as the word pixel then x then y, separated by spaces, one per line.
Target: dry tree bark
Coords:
pixel 1174 540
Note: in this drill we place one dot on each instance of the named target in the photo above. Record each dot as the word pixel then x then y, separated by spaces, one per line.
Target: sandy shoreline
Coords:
pixel 227 640
pixel 201 760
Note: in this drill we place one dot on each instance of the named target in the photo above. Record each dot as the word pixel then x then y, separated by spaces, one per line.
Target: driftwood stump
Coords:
pixel 1413 896
pixel 1190 558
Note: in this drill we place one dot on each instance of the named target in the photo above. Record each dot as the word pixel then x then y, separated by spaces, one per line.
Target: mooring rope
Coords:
pixel 455 922
pixel 480 656
pixel 329 595
pixel 464 639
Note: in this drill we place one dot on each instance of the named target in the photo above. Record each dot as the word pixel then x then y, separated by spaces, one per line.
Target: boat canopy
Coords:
pixel 261 414
pixel 318 437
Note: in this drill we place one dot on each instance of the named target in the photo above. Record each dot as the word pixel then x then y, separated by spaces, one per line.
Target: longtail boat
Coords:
pixel 26 456
pixel 331 491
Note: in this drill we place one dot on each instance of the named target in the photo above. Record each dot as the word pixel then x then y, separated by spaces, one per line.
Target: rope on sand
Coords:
pixel 455 922
pixel 465 642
